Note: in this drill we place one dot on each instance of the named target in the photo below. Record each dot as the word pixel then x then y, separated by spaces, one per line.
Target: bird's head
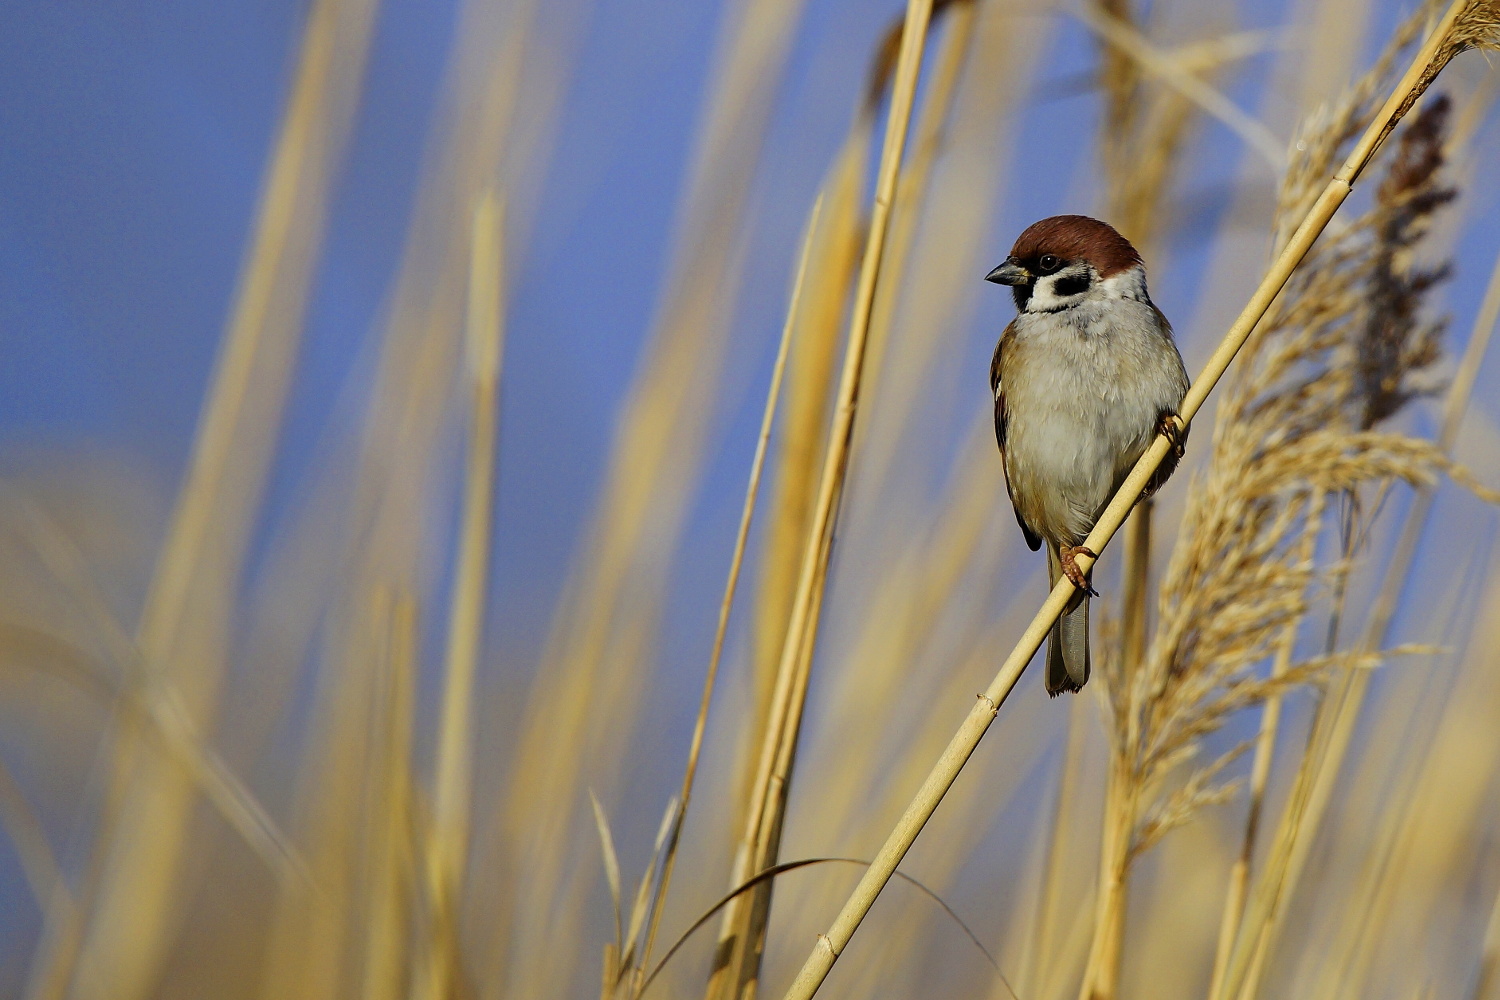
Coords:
pixel 1059 262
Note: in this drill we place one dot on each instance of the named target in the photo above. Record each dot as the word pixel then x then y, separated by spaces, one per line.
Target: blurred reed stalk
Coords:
pixel 184 632
pixel 1463 386
pixel 395 479
pixel 1123 150
pixel 801 455
pixel 390 877
pixel 448 839
pixel 602 630
pixel 810 387
pixel 932 122
pixel 1041 943
pixel 736 968
pixel 633 971
pixel 1448 37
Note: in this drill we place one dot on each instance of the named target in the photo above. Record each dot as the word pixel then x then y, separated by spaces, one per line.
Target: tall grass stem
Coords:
pixel 731 584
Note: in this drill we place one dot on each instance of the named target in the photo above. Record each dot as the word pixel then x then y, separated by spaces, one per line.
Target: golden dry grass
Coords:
pixel 1282 781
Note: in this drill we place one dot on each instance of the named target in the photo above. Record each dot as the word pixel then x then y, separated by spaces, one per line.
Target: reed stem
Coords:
pixel 731 585
pixel 786 705
pixel 485 348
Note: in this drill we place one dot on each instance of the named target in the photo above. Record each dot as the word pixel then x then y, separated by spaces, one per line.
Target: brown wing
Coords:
pixel 997 391
pixel 1169 463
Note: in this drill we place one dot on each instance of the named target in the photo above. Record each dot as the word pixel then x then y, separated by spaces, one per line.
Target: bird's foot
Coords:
pixel 1167 427
pixel 1068 555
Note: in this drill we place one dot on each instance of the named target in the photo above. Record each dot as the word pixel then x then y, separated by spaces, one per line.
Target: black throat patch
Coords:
pixel 1022 295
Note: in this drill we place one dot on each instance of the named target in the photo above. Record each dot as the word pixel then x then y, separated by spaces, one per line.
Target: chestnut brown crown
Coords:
pixel 1076 237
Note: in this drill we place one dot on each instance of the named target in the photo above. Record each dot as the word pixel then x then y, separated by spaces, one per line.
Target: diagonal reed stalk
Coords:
pixel 731 585
pixel 738 969
pixel 1442 43
pixel 447 853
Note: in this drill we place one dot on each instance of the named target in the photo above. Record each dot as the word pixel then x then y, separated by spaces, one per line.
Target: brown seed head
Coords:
pixel 1076 237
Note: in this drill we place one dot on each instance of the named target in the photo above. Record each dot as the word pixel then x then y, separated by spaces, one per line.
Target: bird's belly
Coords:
pixel 1070 443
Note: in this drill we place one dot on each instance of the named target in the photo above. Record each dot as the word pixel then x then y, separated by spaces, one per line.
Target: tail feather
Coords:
pixel 1068 642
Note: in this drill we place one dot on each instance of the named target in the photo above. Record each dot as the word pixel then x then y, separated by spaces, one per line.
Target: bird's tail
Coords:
pixel 1068 642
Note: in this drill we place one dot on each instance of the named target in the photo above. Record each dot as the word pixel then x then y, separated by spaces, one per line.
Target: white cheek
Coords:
pixel 1044 297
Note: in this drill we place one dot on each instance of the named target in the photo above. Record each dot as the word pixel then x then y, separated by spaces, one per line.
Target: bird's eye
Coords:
pixel 1048 263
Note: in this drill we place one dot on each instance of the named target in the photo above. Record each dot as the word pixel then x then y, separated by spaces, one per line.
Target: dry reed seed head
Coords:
pixel 1319 141
pixel 1396 344
pixel 1293 426
pixel 1476 27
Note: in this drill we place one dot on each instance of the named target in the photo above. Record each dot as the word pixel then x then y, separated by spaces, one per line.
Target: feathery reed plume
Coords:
pixel 736 969
pixel 1438 49
pixel 1396 344
pixel 1334 722
pixel 1316 146
pixel 1392 348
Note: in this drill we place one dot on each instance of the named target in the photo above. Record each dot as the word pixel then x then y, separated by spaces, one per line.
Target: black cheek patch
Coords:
pixel 1022 294
pixel 1071 284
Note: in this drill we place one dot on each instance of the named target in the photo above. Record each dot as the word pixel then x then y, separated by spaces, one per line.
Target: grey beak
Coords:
pixel 1009 273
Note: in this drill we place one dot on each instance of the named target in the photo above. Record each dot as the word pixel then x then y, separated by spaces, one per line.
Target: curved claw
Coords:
pixel 1167 427
pixel 1068 556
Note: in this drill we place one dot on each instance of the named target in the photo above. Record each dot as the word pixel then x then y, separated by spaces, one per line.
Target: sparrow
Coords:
pixel 1083 379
